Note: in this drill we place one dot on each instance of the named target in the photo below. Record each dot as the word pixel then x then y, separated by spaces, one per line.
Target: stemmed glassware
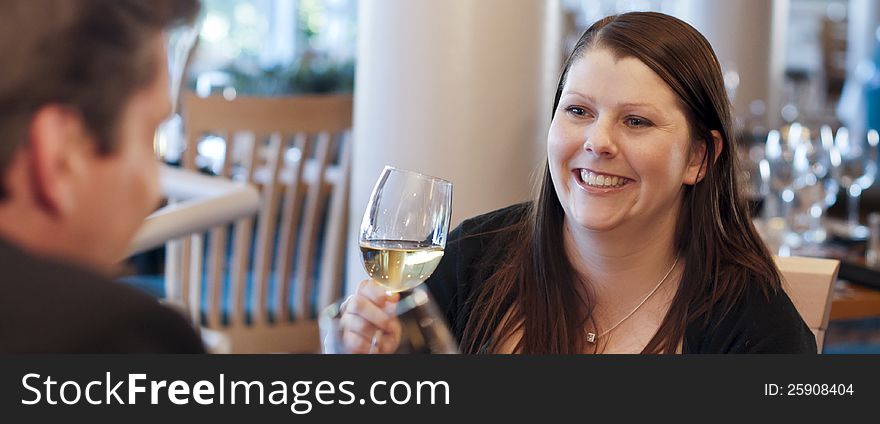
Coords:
pixel 778 160
pixel 402 238
pixel 815 188
pixel 179 42
pixel 855 167
pixel 806 173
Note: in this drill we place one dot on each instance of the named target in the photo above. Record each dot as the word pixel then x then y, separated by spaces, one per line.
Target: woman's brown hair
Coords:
pixel 534 291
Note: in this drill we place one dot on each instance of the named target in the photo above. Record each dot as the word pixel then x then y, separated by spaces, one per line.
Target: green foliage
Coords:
pixel 306 76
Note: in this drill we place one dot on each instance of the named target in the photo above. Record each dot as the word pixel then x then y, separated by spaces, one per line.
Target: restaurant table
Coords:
pixel 857 291
pixel 852 301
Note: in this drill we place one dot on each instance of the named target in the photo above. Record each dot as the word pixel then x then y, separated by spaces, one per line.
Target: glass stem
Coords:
pixel 815 221
pixel 853 209
pixel 771 206
pixel 786 216
pixel 784 247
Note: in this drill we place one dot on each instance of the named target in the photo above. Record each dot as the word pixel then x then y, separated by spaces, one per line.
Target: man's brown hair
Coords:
pixel 90 55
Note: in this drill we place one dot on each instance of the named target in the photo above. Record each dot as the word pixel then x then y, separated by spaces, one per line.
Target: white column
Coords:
pixel 863 18
pixel 459 89
pixel 750 35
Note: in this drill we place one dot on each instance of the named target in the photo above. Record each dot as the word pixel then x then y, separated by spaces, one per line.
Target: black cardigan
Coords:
pixel 755 325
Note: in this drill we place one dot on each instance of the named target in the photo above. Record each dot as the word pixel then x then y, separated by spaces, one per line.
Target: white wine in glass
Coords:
pixel 400 265
pixel 404 229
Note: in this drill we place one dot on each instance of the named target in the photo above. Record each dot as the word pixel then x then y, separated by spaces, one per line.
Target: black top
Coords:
pixel 755 325
pixel 49 306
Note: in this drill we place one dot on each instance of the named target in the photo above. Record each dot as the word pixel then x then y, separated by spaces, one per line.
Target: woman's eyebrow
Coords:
pixel 576 93
pixel 639 105
pixel 636 104
pixel 592 100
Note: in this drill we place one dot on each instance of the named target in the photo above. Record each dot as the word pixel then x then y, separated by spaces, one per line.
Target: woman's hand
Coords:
pixel 369 324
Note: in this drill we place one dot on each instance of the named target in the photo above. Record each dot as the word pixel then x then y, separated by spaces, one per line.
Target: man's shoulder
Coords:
pixel 62 307
pixel 62 286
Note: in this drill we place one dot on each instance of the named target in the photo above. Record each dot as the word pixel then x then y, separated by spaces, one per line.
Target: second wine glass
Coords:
pixel 855 166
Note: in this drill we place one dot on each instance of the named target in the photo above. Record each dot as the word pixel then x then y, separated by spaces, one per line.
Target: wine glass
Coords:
pixel 402 237
pixel 179 44
pixel 855 167
pixel 815 189
pixel 779 157
pixel 404 229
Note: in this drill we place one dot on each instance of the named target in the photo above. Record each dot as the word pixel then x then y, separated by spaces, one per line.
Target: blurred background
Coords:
pixel 785 61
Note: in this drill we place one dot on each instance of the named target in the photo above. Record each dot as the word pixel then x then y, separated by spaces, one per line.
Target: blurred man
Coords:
pixel 83 87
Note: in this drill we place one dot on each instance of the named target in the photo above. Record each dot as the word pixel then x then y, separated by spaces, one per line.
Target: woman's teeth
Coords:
pixel 601 181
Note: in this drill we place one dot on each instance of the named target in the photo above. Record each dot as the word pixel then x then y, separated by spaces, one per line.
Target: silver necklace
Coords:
pixel 591 337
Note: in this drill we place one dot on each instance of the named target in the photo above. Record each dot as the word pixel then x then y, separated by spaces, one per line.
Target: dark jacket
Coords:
pixel 47 306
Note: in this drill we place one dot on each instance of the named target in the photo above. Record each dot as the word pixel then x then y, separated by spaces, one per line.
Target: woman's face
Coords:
pixel 618 145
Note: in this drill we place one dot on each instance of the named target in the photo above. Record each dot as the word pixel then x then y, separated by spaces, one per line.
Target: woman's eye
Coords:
pixel 576 110
pixel 637 122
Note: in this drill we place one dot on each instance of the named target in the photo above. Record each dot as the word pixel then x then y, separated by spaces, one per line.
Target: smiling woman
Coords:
pixel 638 240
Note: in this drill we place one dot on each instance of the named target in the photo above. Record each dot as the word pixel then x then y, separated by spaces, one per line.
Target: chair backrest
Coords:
pixel 809 283
pixel 266 280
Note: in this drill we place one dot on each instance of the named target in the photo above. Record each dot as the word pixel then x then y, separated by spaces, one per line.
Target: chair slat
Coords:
pixel 185 274
pixel 188 161
pixel 311 221
pixel 330 286
pixel 217 252
pixel 172 271
pixel 290 219
pixel 265 236
pixel 238 269
pixel 243 230
pixel 195 276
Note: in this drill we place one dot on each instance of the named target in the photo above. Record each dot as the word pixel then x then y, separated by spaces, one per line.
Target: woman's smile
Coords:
pixel 594 182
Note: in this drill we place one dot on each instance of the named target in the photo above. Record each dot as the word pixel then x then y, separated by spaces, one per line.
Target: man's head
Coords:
pixel 83 87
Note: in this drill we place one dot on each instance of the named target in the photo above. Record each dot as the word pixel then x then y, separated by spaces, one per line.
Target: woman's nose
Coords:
pixel 600 142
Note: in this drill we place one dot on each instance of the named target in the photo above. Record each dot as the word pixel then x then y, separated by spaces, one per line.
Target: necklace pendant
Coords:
pixel 591 337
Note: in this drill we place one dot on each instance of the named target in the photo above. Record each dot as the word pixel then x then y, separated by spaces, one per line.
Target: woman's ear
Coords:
pixel 698 162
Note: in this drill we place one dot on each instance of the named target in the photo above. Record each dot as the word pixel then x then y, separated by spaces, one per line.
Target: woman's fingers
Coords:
pixel 370 312
pixel 369 322
pixel 360 337
pixel 376 293
pixel 355 343
pixel 356 324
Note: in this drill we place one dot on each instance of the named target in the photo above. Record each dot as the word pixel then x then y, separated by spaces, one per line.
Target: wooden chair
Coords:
pixel 297 150
pixel 809 283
